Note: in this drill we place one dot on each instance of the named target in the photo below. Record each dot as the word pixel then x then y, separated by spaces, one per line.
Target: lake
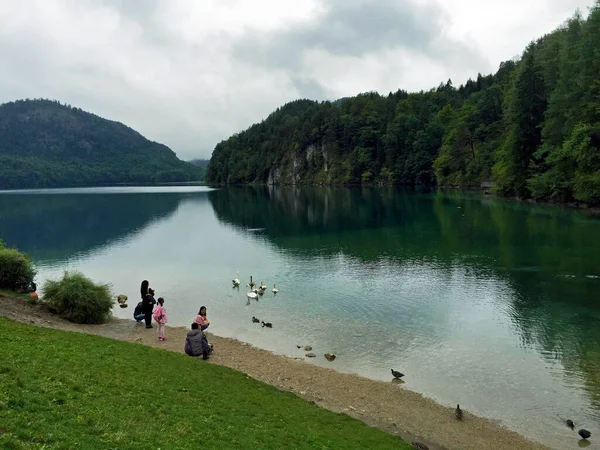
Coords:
pixel 488 303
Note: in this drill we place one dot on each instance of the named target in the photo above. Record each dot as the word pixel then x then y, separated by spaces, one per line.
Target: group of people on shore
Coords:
pixel 196 343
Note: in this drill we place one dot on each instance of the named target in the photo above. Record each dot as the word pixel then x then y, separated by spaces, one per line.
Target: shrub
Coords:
pixel 78 299
pixel 16 271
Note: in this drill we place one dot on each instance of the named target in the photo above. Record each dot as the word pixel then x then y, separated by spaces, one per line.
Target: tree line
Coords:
pixel 532 128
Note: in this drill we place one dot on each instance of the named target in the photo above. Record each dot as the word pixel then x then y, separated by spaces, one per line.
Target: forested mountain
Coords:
pixel 46 144
pixel 533 128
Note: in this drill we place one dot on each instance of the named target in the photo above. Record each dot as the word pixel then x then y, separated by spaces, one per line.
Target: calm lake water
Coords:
pixel 486 303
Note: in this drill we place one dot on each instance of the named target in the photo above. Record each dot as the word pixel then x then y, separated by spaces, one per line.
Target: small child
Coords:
pixel 160 315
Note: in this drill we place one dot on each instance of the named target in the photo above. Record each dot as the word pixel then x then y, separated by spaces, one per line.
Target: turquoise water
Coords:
pixel 486 303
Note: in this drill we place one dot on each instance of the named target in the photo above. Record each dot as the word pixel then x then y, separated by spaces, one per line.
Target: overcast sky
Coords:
pixel 189 73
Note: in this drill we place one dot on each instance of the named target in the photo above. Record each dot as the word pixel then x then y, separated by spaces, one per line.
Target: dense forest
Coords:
pixel 46 144
pixel 532 128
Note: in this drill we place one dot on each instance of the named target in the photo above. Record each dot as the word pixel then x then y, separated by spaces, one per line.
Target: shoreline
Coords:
pixel 593 211
pixel 384 405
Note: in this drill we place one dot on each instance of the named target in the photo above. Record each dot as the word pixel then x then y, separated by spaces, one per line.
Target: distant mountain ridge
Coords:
pixel 44 143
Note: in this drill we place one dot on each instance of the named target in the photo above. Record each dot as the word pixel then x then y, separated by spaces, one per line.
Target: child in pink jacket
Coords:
pixel 160 316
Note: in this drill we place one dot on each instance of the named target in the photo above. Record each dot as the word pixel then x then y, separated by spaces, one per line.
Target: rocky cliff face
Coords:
pixel 308 165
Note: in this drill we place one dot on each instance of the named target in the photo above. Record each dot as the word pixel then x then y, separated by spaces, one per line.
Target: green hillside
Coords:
pixel 533 128
pixel 46 144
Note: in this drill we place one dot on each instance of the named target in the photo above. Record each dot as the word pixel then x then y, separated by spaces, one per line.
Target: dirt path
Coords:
pixel 383 405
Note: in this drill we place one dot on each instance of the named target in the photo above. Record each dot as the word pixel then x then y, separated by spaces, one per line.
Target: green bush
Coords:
pixel 78 299
pixel 16 271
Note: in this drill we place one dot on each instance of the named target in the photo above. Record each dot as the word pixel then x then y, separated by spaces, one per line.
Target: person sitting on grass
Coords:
pixel 196 343
pixel 138 313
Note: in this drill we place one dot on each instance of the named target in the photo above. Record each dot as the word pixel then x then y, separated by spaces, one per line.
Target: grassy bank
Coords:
pixel 69 390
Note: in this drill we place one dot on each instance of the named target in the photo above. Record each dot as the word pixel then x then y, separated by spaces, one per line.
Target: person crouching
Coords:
pixel 196 343
pixel 138 313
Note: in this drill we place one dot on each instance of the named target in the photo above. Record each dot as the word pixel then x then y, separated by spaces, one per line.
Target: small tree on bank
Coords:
pixel 16 271
pixel 78 299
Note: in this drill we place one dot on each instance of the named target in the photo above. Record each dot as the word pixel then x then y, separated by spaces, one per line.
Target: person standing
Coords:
pixel 147 295
pixel 160 315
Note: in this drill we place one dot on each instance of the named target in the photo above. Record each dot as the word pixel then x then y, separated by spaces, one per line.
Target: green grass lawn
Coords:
pixel 61 390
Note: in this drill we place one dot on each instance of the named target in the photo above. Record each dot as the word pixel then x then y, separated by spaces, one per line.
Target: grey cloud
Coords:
pixel 308 88
pixel 144 14
pixel 356 29
pixel 347 28
pixel 139 11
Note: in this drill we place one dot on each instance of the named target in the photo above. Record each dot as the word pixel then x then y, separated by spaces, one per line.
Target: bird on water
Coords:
pixel 585 434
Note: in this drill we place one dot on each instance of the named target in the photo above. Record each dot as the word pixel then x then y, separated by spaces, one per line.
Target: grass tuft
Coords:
pixel 78 299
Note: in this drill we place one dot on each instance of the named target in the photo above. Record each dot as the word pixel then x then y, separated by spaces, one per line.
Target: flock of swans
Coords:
pixel 254 290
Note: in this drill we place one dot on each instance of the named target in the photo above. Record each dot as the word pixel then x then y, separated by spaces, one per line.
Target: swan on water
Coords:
pixel 250 294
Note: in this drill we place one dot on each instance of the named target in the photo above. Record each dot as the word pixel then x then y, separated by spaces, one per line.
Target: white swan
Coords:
pixel 236 281
pixel 275 290
pixel 251 295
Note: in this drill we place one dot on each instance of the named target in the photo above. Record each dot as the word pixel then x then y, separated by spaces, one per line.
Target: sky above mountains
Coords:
pixel 189 73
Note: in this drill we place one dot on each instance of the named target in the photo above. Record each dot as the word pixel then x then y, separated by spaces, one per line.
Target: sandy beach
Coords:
pixel 385 405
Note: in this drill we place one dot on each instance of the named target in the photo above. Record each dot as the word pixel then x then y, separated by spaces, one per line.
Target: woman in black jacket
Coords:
pixel 147 295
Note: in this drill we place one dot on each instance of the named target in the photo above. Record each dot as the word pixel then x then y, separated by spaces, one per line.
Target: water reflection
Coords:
pixel 546 259
pixel 64 223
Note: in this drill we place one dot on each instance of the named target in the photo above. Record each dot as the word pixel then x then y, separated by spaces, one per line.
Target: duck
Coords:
pixel 251 295
pixel 267 324
pixel 255 320
pixel 570 424
pixel 122 300
pixel 585 434
pixel 458 412
pixel 236 280
pixel 275 290
pixel 397 374
pixel 262 287
pixel 252 283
